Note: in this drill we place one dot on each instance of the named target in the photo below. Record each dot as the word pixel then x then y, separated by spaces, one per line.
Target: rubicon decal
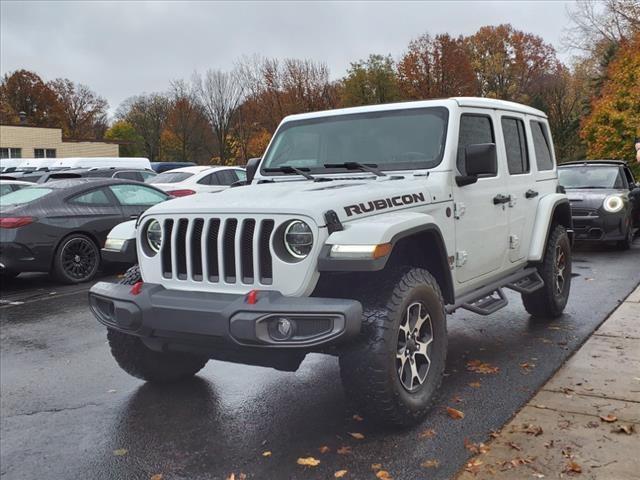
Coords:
pixel 383 203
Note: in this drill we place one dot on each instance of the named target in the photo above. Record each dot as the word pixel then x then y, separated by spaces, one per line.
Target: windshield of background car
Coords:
pixel 392 140
pixel 590 177
pixel 24 195
pixel 170 177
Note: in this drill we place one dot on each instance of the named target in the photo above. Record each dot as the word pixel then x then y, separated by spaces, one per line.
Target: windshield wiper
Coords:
pixel 288 169
pixel 364 167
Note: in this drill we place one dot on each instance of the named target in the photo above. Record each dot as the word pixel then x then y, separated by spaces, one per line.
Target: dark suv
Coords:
pixel 605 200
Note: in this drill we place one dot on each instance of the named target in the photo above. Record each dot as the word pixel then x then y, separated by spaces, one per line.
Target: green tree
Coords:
pixel 123 131
pixel 371 81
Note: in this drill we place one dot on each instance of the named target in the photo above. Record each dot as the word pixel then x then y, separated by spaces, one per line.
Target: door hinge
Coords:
pixel 458 210
pixel 514 242
pixel 461 258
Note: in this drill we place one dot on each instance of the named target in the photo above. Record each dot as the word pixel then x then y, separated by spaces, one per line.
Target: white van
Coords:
pixel 34 164
pixel 101 162
pixel 9 164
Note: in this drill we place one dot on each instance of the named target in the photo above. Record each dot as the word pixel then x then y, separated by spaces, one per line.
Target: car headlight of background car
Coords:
pixel 153 236
pixel 613 204
pixel 114 244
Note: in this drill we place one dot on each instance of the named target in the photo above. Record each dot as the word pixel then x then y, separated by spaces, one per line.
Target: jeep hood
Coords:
pixel 306 198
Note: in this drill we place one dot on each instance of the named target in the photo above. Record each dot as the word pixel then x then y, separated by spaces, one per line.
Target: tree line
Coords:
pixel 226 117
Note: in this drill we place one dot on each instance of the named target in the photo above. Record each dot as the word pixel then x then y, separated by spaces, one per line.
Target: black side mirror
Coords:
pixel 479 159
pixel 252 168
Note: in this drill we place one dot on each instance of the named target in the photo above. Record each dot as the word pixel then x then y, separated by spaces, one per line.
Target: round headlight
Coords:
pixel 154 235
pixel 613 203
pixel 298 239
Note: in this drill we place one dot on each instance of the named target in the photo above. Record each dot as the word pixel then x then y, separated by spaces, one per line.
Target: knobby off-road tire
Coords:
pixel 370 368
pixel 555 269
pixel 142 362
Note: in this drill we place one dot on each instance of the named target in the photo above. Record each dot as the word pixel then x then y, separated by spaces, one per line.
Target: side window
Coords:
pixel 137 195
pixel 146 176
pixel 473 129
pixel 211 179
pixel 129 175
pixel 241 174
pixel 227 177
pixel 630 180
pixel 515 144
pixel 541 145
pixel 94 197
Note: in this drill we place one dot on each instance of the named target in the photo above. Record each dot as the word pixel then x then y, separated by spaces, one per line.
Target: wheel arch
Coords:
pixel 553 210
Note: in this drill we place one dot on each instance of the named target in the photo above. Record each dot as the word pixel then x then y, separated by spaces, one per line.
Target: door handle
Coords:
pixel 531 193
pixel 500 198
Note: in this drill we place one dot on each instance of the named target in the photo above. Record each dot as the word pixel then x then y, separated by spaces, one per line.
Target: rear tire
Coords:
pixel 76 259
pixel 555 269
pixel 394 371
pixel 135 358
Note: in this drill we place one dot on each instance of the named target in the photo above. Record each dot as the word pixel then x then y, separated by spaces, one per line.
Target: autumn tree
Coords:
pixel 25 91
pixel 371 81
pixel 436 67
pixel 130 142
pixel 508 62
pixel 220 94
pixel 147 114
pixel 614 121
pixel 82 111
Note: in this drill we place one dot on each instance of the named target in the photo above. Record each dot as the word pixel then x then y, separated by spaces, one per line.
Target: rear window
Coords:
pixel 541 145
pixel 171 177
pixel 25 195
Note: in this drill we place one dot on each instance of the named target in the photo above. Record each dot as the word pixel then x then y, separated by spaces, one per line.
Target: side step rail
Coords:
pixel 490 298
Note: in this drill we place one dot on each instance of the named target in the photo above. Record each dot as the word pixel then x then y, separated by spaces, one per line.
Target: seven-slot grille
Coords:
pixel 218 250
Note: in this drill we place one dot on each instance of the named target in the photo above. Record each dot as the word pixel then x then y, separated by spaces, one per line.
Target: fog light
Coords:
pixel 282 328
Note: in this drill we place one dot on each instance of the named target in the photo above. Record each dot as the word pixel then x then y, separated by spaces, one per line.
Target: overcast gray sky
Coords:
pixel 125 48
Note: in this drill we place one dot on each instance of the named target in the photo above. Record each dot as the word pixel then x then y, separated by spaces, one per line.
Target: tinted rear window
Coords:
pixel 541 145
pixel 25 195
pixel 171 177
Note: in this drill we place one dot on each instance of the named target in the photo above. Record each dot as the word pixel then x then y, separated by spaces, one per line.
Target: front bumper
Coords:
pixel 600 226
pixel 183 317
pixel 127 253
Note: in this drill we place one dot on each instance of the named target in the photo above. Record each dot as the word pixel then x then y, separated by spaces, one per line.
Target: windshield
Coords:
pixel 392 140
pixel 25 195
pixel 170 177
pixel 590 177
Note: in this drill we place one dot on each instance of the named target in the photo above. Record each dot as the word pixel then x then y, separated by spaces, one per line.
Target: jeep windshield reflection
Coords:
pixel 390 140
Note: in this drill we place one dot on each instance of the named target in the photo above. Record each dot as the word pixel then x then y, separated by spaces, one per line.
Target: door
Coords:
pixel 524 196
pixel 481 224
pixel 136 198
pixel 94 211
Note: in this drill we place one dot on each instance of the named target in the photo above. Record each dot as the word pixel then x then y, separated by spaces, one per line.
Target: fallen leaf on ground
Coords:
pixel 457 399
pixel 120 452
pixel 340 474
pixel 308 461
pixel 157 476
pixel 515 446
pixel 324 449
pixel 376 466
pixel 573 467
pixel 357 418
pixel 475 447
pixel 478 366
pixel 532 429
pixel 527 366
pixel 455 414
pixel 608 418
pixel 494 434
pixel 266 454
pixel 473 466
pixel 384 475
pixel 356 435
pixel 428 433
pixel 344 450
pixel 628 429
pixel 475 384
pixel 430 464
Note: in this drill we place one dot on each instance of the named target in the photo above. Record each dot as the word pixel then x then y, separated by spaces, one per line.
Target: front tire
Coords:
pixel 555 270
pixel 628 239
pixel 76 259
pixel 394 371
pixel 135 358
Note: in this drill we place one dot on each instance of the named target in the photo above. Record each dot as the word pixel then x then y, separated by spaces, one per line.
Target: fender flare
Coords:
pixel 554 207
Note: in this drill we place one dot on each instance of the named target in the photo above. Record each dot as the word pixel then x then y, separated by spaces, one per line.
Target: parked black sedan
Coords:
pixel 605 200
pixel 59 227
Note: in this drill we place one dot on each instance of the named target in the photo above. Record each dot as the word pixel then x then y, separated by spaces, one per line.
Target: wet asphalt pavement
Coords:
pixel 68 412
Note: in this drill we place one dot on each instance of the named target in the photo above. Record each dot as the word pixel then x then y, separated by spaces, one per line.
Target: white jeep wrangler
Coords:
pixel 358 231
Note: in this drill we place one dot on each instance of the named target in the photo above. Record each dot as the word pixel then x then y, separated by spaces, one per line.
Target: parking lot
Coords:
pixel 67 409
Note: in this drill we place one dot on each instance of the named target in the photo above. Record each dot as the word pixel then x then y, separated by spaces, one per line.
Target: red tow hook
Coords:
pixel 252 297
pixel 137 287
